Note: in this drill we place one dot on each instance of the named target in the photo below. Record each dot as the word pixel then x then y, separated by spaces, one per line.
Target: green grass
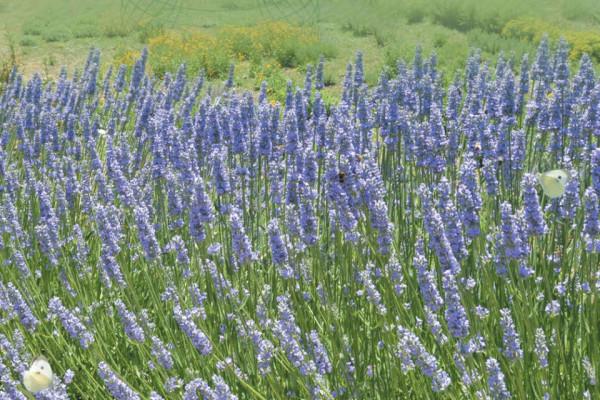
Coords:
pixel 28 41
pixel 86 28
pixel 383 29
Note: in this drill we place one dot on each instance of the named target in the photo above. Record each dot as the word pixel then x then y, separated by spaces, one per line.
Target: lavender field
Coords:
pixel 175 239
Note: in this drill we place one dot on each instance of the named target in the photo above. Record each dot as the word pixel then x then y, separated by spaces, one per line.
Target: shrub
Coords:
pixel 454 15
pixel 7 63
pixel 356 29
pixel 287 55
pixel 197 50
pixel 532 30
pixel 291 55
pixel 265 40
pixel 529 29
pixel 126 57
pixel 58 34
pixel 451 57
pixel 329 99
pixel 450 48
pixel 35 27
pixel 289 45
pixel 464 15
pixel 581 10
pixel 391 56
pixel 415 13
pixel 49 61
pixel 86 29
pixel 148 30
pixel 28 41
pixel 380 38
pixel 242 43
pixel 329 79
pixel 494 43
pixel 584 42
pixel 114 29
pixel 439 40
pixel 271 74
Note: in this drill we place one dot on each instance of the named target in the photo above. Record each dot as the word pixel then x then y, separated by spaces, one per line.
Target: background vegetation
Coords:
pixel 275 39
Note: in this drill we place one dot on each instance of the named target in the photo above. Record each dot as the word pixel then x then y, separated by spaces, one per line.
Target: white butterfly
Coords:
pixel 554 182
pixel 39 376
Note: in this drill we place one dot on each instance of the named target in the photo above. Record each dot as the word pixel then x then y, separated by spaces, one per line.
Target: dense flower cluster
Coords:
pixel 176 238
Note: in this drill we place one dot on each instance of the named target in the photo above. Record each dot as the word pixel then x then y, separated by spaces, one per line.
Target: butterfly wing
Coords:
pixel 36 382
pixel 553 182
pixel 560 174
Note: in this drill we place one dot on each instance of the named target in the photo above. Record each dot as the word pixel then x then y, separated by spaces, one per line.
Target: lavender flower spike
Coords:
pixel 533 212
pixel 116 387
pixel 496 382
pixel 70 322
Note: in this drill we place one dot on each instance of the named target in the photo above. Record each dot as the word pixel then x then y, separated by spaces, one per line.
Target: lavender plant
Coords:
pixel 159 241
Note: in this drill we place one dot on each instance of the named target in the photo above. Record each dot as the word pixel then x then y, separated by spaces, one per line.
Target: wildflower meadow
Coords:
pixel 179 239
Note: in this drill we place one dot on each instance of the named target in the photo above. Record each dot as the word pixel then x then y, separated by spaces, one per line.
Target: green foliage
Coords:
pixel 464 16
pixel 386 29
pixel 584 42
pixel 34 27
pixel 329 78
pixel 115 30
pixel 197 51
pixel 528 29
pixel 329 99
pixel 454 15
pixel 28 41
pixel 49 61
pixel 150 29
pixel 291 55
pixel 439 40
pixel 8 61
pixel 371 76
pixel 56 34
pixel 493 43
pixel 291 45
pixel 86 29
pixel 380 38
pixel 216 64
pixel 287 55
pixel 415 13
pixel 280 44
pixel 581 10
pixel 391 57
pixel 451 57
pixel 243 45
pixel 230 5
pixel 450 46
pixel 357 29
pixel 532 30
pixel 271 74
